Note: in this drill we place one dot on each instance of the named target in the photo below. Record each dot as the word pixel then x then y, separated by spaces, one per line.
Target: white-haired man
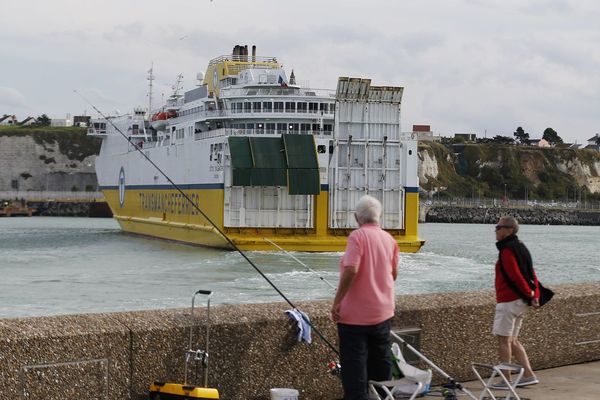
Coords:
pixel 364 303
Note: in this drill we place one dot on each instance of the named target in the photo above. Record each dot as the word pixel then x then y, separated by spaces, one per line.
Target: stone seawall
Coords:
pixel 530 216
pixel 96 209
pixel 253 347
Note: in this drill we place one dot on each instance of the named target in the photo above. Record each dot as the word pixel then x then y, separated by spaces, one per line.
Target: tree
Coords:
pixel 551 136
pixel 522 136
pixel 43 120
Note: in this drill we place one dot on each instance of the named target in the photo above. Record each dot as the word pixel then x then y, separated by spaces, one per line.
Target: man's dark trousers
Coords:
pixel 364 356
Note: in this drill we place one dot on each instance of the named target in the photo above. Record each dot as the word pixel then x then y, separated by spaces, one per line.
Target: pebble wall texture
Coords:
pixel 253 347
pixel 528 216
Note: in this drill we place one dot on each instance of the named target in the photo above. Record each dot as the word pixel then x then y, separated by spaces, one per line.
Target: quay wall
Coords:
pixel 253 347
pixel 528 216
pixel 54 208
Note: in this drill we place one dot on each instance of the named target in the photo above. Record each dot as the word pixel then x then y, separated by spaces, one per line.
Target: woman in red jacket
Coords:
pixel 516 289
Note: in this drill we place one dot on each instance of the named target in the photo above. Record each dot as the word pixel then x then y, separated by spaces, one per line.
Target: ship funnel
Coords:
pixel 253 53
pixel 246 53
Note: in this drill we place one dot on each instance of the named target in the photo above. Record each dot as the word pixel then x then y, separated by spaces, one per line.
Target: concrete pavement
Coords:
pixel 572 382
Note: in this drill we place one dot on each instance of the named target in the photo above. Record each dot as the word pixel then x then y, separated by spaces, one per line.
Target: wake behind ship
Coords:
pixel 268 161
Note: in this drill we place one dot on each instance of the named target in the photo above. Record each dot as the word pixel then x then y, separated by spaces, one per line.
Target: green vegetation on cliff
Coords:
pixel 488 170
pixel 72 141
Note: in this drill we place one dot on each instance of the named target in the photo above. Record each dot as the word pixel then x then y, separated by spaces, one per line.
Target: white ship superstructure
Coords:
pixel 264 158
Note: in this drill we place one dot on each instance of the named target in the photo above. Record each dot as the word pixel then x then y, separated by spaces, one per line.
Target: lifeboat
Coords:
pixel 159 120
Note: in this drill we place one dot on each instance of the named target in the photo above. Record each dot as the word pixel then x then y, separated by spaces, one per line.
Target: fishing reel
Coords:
pixel 449 391
pixel 197 355
pixel 334 368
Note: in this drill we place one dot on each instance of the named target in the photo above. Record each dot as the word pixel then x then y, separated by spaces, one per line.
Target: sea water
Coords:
pixel 53 265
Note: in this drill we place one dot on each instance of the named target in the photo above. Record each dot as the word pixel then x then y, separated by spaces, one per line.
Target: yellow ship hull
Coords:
pixel 167 215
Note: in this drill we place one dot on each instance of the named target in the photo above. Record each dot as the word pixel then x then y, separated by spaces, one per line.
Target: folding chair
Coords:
pixel 497 373
pixel 414 382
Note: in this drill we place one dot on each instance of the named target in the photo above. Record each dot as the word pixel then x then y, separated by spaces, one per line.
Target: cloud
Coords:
pixel 467 65
pixel 11 98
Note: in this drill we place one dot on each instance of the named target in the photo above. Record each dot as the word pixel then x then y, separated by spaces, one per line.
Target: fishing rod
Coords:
pixel 197 208
pixel 301 263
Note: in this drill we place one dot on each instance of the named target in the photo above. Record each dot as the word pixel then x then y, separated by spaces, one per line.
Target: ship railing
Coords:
pixel 277 91
pixel 251 132
pixel 265 114
pixel 149 145
pixel 91 131
pixel 279 111
pixel 244 58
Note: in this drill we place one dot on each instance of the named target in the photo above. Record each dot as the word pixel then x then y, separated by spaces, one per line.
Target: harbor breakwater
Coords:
pixel 253 347
pixel 528 216
pixel 94 209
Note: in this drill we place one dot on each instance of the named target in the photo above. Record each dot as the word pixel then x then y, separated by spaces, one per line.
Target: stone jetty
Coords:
pixel 528 216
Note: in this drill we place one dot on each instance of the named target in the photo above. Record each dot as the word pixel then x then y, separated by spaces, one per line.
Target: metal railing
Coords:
pixel 517 203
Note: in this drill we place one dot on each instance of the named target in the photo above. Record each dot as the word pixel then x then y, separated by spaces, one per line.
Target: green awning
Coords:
pixel 268 152
pixel 304 181
pixel 300 151
pixel 290 160
pixel 241 154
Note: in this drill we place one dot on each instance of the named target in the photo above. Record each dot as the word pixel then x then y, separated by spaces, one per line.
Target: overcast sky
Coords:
pixel 476 66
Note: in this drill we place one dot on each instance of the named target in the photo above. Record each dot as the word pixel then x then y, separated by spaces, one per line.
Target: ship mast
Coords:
pixel 150 78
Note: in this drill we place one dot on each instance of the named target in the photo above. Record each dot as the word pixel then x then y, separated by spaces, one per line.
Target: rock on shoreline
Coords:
pixel 71 209
pixel 528 216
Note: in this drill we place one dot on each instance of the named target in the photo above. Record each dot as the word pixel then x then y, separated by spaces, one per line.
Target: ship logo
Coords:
pixel 121 187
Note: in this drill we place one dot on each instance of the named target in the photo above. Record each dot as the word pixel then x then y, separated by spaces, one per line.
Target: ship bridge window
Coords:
pixel 278 106
pixel 267 106
pixel 281 128
pixel 327 129
pixel 332 108
pixel 313 107
pixel 290 106
pixel 324 107
pixel 304 128
pixel 270 128
pixel 256 106
pixel 247 107
pixel 302 107
pixel 237 107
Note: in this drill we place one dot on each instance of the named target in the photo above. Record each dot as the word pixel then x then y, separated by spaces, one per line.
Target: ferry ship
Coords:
pixel 273 164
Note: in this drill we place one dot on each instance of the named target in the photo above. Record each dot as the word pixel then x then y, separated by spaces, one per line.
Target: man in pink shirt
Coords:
pixel 364 303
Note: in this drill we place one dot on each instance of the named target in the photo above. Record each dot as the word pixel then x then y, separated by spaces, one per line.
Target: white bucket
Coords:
pixel 284 394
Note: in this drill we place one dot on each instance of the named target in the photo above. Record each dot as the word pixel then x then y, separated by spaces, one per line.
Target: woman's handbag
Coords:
pixel 545 294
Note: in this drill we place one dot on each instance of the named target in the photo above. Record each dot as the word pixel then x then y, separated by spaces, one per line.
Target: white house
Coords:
pixel 8 120
pixel 68 121
pixel 593 139
pixel 27 121
pixel 539 143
